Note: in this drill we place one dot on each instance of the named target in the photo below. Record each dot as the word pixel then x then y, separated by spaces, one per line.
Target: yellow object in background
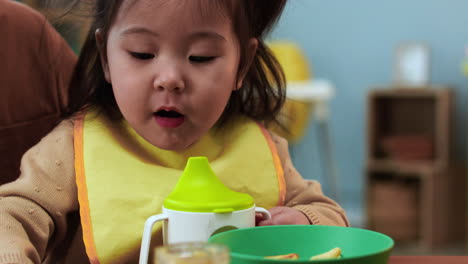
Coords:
pixel 464 63
pixel 464 67
pixel 292 59
pixel 294 115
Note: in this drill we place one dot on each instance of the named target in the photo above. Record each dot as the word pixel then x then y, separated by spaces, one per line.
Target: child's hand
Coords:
pixel 282 215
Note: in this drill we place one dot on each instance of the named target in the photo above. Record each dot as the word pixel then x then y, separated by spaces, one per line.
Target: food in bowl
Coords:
pixel 333 253
pixel 286 256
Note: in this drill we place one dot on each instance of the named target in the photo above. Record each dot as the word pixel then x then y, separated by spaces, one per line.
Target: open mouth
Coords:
pixel 168 118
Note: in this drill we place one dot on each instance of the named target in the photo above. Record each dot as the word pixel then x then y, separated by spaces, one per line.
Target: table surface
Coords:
pixel 428 260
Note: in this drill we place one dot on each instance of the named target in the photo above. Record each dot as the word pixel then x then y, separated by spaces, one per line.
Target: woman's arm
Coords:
pixel 36 208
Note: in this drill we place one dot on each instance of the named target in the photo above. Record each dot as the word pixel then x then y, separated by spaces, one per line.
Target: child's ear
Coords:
pixel 100 43
pixel 249 56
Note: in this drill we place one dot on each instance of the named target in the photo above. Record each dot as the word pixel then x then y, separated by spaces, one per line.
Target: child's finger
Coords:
pixel 265 222
pixel 258 217
pixel 277 210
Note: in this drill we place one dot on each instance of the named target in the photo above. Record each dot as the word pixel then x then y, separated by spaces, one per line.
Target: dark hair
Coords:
pixel 261 96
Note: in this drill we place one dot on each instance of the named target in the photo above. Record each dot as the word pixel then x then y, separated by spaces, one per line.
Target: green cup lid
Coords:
pixel 199 190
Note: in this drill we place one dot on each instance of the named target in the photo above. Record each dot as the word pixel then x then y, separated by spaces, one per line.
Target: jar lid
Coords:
pixel 200 190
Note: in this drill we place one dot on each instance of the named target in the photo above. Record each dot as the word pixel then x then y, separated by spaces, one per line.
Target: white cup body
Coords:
pixel 180 226
pixel 192 227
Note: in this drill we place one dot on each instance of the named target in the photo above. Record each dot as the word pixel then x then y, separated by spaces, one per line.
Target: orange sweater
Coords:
pixel 39 219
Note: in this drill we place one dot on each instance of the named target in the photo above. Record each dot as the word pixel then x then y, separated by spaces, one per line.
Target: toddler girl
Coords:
pixel 157 81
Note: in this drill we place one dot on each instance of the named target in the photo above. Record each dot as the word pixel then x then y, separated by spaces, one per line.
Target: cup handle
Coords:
pixel 264 212
pixel 146 240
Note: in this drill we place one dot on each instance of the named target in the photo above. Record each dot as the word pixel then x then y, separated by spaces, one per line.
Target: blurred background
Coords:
pixel 396 122
pixel 377 110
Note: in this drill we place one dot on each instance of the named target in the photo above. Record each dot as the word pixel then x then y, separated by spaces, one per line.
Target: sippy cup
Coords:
pixel 200 206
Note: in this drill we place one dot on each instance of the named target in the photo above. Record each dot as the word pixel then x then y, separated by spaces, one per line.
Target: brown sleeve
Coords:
pixel 34 209
pixel 307 195
pixel 35 69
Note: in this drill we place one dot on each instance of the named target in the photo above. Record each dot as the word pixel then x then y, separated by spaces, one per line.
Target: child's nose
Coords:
pixel 170 79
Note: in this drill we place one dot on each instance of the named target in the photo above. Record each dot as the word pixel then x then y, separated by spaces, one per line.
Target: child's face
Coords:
pixel 172 70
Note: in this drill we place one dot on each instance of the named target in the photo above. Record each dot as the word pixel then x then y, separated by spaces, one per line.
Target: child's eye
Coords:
pixel 141 56
pixel 201 59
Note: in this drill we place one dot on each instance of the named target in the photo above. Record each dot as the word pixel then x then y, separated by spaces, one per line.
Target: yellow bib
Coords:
pixel 122 179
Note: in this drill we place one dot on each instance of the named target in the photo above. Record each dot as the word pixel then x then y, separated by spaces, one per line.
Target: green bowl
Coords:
pixel 251 245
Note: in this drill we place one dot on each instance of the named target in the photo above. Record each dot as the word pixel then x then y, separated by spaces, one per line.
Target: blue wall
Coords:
pixel 351 43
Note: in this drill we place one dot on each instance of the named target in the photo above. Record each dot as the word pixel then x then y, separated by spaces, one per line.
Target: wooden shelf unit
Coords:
pixel 409 173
